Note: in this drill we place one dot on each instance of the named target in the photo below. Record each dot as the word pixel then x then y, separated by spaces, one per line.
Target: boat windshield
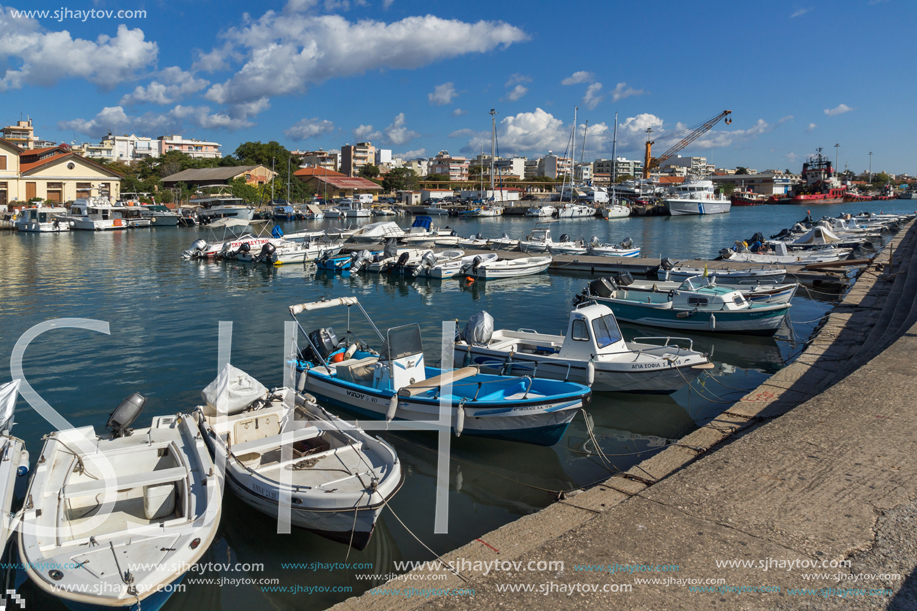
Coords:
pixel 606 330
pixel 404 341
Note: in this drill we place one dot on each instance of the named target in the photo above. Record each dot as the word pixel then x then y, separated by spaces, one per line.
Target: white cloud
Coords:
pixel 442 94
pixel 32 55
pixel 622 91
pixel 592 97
pixel 413 154
pixel 397 133
pixel 458 112
pixel 800 12
pixel 578 77
pixel 462 133
pixel 365 132
pixel 837 110
pixel 517 78
pixel 720 139
pixel 172 84
pixel 216 59
pixel 811 127
pixel 791 156
pixel 387 4
pixel 285 52
pixel 114 119
pixel 517 92
pixel 309 128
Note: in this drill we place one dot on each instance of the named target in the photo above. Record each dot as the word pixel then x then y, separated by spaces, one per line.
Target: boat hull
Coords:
pixel 36 227
pixel 687 207
pixel 495 273
pixel 756 321
pixel 503 420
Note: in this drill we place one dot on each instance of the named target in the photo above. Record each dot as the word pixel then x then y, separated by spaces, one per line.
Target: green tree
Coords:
pixel 741 170
pixel 623 177
pixel 436 178
pixel 249 193
pixel 728 187
pixel 369 171
pixel 881 179
pixel 400 179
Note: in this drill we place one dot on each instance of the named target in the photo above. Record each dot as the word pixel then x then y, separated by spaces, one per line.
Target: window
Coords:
pixel 739 300
pixel 580 331
pixel 2 162
pixel 606 330
pixel 697 301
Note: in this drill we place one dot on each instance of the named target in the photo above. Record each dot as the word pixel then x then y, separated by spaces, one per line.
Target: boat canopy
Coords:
pixel 232 391
pixel 818 235
pixel 319 305
pixel 8 394
pixel 314 209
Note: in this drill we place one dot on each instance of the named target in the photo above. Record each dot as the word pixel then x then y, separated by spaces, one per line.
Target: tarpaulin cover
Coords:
pixel 8 394
pixel 232 391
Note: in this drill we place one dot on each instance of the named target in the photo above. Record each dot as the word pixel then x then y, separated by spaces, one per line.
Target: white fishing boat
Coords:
pixel 485 210
pixel 285 253
pixel 278 444
pixel 545 211
pixel 311 212
pixel 120 517
pixel 754 293
pixel 538 240
pixel 778 254
pixel 725 276
pixel 476 241
pixel 508 268
pixel 593 352
pixel 352 208
pixel 438 266
pixel 624 249
pixel 696 197
pixel 42 219
pixel 95 214
pixel 398 262
pixel 14 461
pixel 160 216
pixel 332 213
pixel 134 217
pixel 707 308
pixel 396 384
pixel 504 242
pixel 567 246
pixel 383 211
pixel 572 210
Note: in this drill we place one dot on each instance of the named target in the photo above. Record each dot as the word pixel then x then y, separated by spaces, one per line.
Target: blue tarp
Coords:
pixel 423 221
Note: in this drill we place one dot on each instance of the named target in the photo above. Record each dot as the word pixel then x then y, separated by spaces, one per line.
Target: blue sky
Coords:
pixel 418 77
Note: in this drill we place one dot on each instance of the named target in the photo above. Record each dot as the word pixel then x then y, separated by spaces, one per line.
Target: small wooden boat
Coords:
pixel 280 444
pixel 509 268
pixel 593 352
pixel 121 516
pixel 396 383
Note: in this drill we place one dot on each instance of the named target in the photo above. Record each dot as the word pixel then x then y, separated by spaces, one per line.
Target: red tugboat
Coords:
pixel 747 198
pixel 819 184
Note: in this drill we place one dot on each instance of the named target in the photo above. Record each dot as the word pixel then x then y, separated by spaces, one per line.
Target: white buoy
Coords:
pixel 590 373
pixel 459 421
pixel 712 321
pixel 392 408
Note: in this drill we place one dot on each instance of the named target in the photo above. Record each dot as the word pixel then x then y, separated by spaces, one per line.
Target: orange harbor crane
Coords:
pixel 650 162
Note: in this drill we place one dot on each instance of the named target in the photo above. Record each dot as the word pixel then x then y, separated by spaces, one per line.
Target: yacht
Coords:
pixel 696 197
pixel 160 216
pixel 221 203
pixel 95 214
pixel 575 211
pixel 545 211
pixel 42 219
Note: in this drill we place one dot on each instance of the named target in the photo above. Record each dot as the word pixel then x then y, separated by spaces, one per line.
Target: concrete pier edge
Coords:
pixel 877 315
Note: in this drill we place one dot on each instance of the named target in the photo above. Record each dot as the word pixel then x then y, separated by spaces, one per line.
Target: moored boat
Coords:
pixel 508 268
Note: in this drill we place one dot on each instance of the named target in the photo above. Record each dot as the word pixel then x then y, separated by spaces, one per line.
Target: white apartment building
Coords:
pixel 421 167
pixel 618 167
pixel 383 157
pixel 582 172
pixel 691 165
pixel 553 166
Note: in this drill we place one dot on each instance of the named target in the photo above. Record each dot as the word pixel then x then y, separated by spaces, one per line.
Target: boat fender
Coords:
pixel 712 322
pixel 24 464
pixel 350 352
pixel 392 408
pixel 683 314
pixel 301 384
pixel 459 420
pixel 590 373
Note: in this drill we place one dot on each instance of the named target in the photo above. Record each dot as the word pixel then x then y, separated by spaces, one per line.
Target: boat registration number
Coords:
pixel 361 396
pixel 271 494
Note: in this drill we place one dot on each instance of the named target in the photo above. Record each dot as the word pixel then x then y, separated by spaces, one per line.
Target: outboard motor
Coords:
pixel 594 240
pixel 666 264
pixel 758 237
pixel 324 340
pixel 726 253
pixel 564 238
pixel 478 330
pixel 475 263
pixel 603 287
pixel 196 248
pixel 625 279
pixel 428 261
pixel 361 260
pixel 120 420
pixel 627 243
pixel 266 252
pixel 402 261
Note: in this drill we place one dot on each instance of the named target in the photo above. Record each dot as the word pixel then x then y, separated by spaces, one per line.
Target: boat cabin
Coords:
pixel 94 210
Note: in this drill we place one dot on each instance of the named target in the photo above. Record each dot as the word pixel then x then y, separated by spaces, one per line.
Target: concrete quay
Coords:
pixel 808 485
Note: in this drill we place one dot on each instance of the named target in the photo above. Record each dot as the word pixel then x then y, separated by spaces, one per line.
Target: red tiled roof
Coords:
pixel 25 168
pixel 308 172
pixel 40 151
pixel 8 143
pixel 347 182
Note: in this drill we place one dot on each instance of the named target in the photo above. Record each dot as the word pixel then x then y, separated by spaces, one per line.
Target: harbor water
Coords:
pixel 163 316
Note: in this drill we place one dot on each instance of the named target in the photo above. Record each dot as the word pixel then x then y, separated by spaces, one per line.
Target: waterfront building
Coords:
pixel 765 183
pixel 355 156
pixel 553 166
pixel 582 172
pixel 334 184
pixel 691 165
pixel 22 134
pixel 329 160
pixel 202 177
pixel 456 168
pixel 196 149
pixel 617 167
pixel 54 174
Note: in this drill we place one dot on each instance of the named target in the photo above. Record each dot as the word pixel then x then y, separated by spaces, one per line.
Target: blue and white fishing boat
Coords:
pixel 396 383
pixel 624 249
pixel 331 263
pixel 706 308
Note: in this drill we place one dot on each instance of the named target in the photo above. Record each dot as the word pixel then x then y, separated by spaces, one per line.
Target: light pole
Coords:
pixel 836 149
pixel 870 166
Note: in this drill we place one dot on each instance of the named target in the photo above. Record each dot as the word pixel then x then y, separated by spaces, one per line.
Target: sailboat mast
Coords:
pixel 493 146
pixel 614 162
pixel 572 156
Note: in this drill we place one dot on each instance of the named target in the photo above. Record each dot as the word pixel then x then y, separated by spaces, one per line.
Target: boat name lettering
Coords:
pixel 361 396
pixel 271 494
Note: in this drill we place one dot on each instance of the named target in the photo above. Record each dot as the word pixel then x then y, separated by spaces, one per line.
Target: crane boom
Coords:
pixel 650 162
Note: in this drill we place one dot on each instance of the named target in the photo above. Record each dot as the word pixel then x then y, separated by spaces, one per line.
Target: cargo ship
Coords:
pixel 819 185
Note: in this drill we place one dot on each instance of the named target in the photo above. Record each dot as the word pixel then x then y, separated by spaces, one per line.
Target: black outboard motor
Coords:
pixel 475 263
pixel 266 252
pixel 564 237
pixel 120 420
pixel 602 287
pixel 667 264
pixel 402 261
pixel 324 340
pixel 625 279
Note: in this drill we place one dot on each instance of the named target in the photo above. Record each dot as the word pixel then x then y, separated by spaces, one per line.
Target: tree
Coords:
pixel 623 177
pixel 881 179
pixel 249 193
pixel 741 170
pixel 369 171
pixel 436 178
pixel 728 187
pixel 400 179
pixel 787 171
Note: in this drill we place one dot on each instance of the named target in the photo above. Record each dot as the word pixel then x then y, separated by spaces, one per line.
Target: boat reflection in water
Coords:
pixel 538 283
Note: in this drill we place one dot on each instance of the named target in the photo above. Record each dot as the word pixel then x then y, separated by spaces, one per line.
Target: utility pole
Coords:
pixel 836 149
pixel 870 166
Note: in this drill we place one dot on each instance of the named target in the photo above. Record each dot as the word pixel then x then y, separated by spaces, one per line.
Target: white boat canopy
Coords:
pixel 8 393
pixel 320 305
pixel 232 391
pixel 818 235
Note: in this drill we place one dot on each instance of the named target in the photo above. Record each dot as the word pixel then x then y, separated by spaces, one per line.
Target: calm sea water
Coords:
pixel 164 312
